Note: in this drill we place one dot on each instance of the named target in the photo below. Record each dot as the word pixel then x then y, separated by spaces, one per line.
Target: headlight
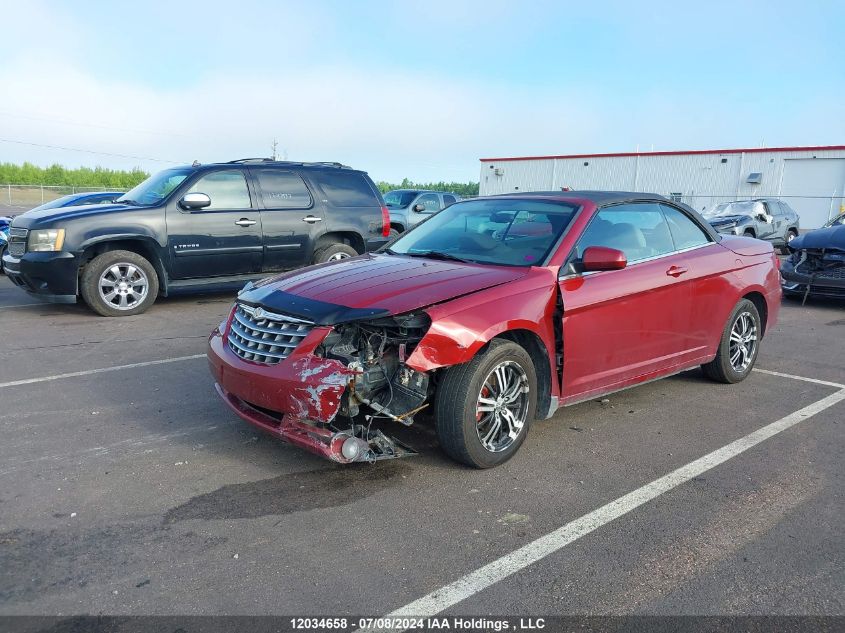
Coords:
pixel 46 240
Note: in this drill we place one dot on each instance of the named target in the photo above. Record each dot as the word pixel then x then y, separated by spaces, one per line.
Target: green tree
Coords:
pixel 29 174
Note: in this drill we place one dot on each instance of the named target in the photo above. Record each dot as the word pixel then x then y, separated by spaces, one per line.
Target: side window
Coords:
pixel 685 232
pixel 227 190
pixel 638 230
pixel 282 189
pixel 784 208
pixel 430 202
pixel 773 207
pixel 447 200
pixel 347 189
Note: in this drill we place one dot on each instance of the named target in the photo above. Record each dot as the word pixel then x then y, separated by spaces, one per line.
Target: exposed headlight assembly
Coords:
pixel 46 240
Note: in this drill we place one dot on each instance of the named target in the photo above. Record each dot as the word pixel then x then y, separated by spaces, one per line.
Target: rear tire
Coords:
pixel 490 436
pixel 738 347
pixel 119 283
pixel 334 252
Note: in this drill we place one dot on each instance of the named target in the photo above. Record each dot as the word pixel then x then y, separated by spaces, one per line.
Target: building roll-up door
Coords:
pixel 814 188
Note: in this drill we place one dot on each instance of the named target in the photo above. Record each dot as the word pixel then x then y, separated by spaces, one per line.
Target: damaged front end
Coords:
pixel 326 392
pixel 814 271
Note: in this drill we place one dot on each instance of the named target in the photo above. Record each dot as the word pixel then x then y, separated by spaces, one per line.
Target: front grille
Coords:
pixel 17 241
pixel 265 337
pixel 836 272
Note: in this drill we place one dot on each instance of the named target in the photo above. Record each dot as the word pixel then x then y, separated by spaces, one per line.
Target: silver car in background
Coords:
pixel 767 219
pixel 409 207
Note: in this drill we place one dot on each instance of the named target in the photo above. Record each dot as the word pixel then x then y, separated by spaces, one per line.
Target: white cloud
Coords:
pixel 384 121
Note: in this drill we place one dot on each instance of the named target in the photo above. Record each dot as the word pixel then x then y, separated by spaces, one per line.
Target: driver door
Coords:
pixel 223 238
pixel 619 325
pixel 431 202
pixel 766 230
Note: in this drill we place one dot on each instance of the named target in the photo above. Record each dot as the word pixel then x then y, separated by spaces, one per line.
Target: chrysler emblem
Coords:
pixel 259 313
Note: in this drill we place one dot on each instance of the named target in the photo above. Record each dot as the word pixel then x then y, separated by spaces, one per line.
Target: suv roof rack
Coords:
pixel 290 162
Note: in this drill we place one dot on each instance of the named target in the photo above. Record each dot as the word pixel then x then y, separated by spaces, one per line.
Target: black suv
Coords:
pixel 197 228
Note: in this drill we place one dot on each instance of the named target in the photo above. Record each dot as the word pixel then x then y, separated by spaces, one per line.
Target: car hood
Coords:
pixel 831 237
pixel 34 217
pixel 727 219
pixel 374 285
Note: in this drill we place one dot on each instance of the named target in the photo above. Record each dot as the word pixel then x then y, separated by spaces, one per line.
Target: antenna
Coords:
pixel 274 146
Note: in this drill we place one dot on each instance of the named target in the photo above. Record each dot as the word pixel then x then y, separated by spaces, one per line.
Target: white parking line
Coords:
pixel 803 378
pixel 88 372
pixel 482 578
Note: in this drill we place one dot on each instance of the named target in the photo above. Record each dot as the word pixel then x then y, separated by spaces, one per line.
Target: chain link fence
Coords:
pixel 19 198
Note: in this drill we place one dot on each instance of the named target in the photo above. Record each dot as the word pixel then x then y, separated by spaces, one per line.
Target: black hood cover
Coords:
pixel 831 237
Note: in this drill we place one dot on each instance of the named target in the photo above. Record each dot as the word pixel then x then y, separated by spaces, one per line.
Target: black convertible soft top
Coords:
pixel 602 198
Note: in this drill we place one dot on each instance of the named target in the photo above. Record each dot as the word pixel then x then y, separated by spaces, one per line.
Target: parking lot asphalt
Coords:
pixel 135 491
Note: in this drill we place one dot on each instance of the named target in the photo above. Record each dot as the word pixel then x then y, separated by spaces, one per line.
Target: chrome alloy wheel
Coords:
pixel 743 342
pixel 123 286
pixel 338 256
pixel 502 406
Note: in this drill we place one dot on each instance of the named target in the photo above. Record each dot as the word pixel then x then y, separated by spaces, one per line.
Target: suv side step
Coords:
pixel 211 284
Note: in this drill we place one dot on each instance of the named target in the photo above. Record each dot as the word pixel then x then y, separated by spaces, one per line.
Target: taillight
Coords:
pixel 385 222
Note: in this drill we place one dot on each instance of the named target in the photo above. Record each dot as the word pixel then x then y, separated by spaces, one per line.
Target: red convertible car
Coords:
pixel 490 314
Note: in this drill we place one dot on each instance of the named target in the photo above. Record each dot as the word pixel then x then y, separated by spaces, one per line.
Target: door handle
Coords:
pixel 245 222
pixel 311 219
pixel 676 271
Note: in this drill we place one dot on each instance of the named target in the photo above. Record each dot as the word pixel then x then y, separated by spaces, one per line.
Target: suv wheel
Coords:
pixel 334 252
pixel 483 407
pixel 119 283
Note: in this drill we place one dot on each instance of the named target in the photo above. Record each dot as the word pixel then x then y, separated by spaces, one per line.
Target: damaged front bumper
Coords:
pixel 801 279
pixel 298 399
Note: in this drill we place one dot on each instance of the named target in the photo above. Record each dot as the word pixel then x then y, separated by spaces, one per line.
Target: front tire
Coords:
pixel 119 283
pixel 483 408
pixel 738 347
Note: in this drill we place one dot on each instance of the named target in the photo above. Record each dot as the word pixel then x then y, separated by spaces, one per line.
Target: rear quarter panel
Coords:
pixel 738 267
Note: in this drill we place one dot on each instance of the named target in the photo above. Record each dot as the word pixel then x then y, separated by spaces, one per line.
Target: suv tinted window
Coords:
pixel 429 201
pixel 447 200
pixel 227 190
pixel 282 189
pixel 638 230
pixel 685 232
pixel 345 189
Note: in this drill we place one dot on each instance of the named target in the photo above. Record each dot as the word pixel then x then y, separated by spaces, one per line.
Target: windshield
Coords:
pixel 55 204
pixel 745 207
pixel 399 199
pixel 493 231
pixel 155 188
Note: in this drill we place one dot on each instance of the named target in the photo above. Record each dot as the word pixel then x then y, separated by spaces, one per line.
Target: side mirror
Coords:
pixel 603 258
pixel 195 200
pixel 419 208
pixel 765 217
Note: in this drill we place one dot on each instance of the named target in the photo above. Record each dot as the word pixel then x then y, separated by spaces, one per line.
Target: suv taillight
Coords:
pixel 385 222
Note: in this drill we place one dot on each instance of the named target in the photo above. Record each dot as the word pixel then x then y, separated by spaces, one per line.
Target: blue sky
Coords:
pixel 416 89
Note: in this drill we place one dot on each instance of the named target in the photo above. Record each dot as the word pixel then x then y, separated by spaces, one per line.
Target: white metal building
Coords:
pixel 810 179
